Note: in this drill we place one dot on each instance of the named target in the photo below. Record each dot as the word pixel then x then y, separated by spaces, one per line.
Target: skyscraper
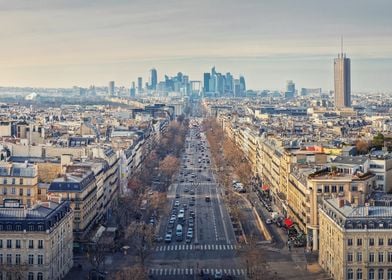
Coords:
pixel 111 88
pixel 242 85
pixel 290 89
pixel 139 84
pixel 132 90
pixel 206 82
pixel 342 81
pixel 153 79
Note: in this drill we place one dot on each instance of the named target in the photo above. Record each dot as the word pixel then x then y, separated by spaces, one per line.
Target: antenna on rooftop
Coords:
pixel 341 44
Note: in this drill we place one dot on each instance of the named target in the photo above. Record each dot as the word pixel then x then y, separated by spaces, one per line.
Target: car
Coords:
pixel 208 179
pixel 191 224
pixel 218 275
pixel 168 237
pixel 207 199
pixel 268 221
pixel 191 203
pixel 176 203
pixel 193 198
pixel 177 195
pixel 186 190
pixel 192 192
pixel 182 181
pixel 192 213
pixel 185 206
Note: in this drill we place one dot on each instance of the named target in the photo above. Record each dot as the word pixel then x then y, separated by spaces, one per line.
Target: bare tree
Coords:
pixel 96 254
pixel 254 257
pixel 136 272
pixel 362 146
pixel 168 166
pixel 141 239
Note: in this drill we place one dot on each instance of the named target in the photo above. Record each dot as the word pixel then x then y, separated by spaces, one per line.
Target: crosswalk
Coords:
pixel 200 247
pixel 191 271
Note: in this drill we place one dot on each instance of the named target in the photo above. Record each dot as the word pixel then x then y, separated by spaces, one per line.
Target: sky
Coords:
pixel 62 43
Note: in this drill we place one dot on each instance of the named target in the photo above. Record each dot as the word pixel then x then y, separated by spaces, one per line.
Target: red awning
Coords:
pixel 264 188
pixel 288 223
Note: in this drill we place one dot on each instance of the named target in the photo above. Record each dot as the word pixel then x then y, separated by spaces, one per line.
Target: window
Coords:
pixel 349 242
pixel 40 244
pixel 4 190
pixel 1 243
pixel 17 259
pixel 333 189
pixel 371 242
pixel 326 189
pixel 31 244
pixel 350 274
pixel 359 242
pixel 359 274
pixel 371 257
pixel 40 276
pixel 9 243
pixel 5 181
pixel 9 259
pixel 341 188
pixel 359 257
pixel 31 276
pixel 381 274
pixel 31 259
pixel 354 188
pixel 13 181
pixel 1 258
pixel 17 244
pixel 40 259
pixel 21 181
pixel 13 190
pixel 349 257
pixel 380 241
pixel 380 257
pixel 389 274
pixel 21 192
pixel 389 257
pixel 28 192
pixel 371 274
pixel 390 241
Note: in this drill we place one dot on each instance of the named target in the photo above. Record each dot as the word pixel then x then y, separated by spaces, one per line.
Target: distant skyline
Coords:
pixel 73 42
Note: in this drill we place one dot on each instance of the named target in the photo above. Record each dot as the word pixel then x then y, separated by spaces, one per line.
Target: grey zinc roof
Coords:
pixel 350 160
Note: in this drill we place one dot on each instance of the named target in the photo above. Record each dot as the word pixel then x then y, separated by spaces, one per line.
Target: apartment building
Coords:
pixel 36 242
pixel 330 183
pixel 80 188
pixel 355 240
pixel 19 181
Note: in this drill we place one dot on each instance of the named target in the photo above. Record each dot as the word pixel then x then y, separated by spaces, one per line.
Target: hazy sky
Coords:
pixel 69 42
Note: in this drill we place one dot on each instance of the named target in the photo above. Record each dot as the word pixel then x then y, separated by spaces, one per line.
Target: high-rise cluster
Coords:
pixel 218 84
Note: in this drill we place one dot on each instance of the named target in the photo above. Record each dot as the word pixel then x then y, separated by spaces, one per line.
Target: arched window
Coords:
pixel 381 274
pixel 371 274
pixel 31 276
pixel 389 274
pixel 40 276
pixel 359 274
pixel 350 274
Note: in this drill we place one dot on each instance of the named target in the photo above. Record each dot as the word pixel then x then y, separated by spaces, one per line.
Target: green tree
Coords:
pixel 378 140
